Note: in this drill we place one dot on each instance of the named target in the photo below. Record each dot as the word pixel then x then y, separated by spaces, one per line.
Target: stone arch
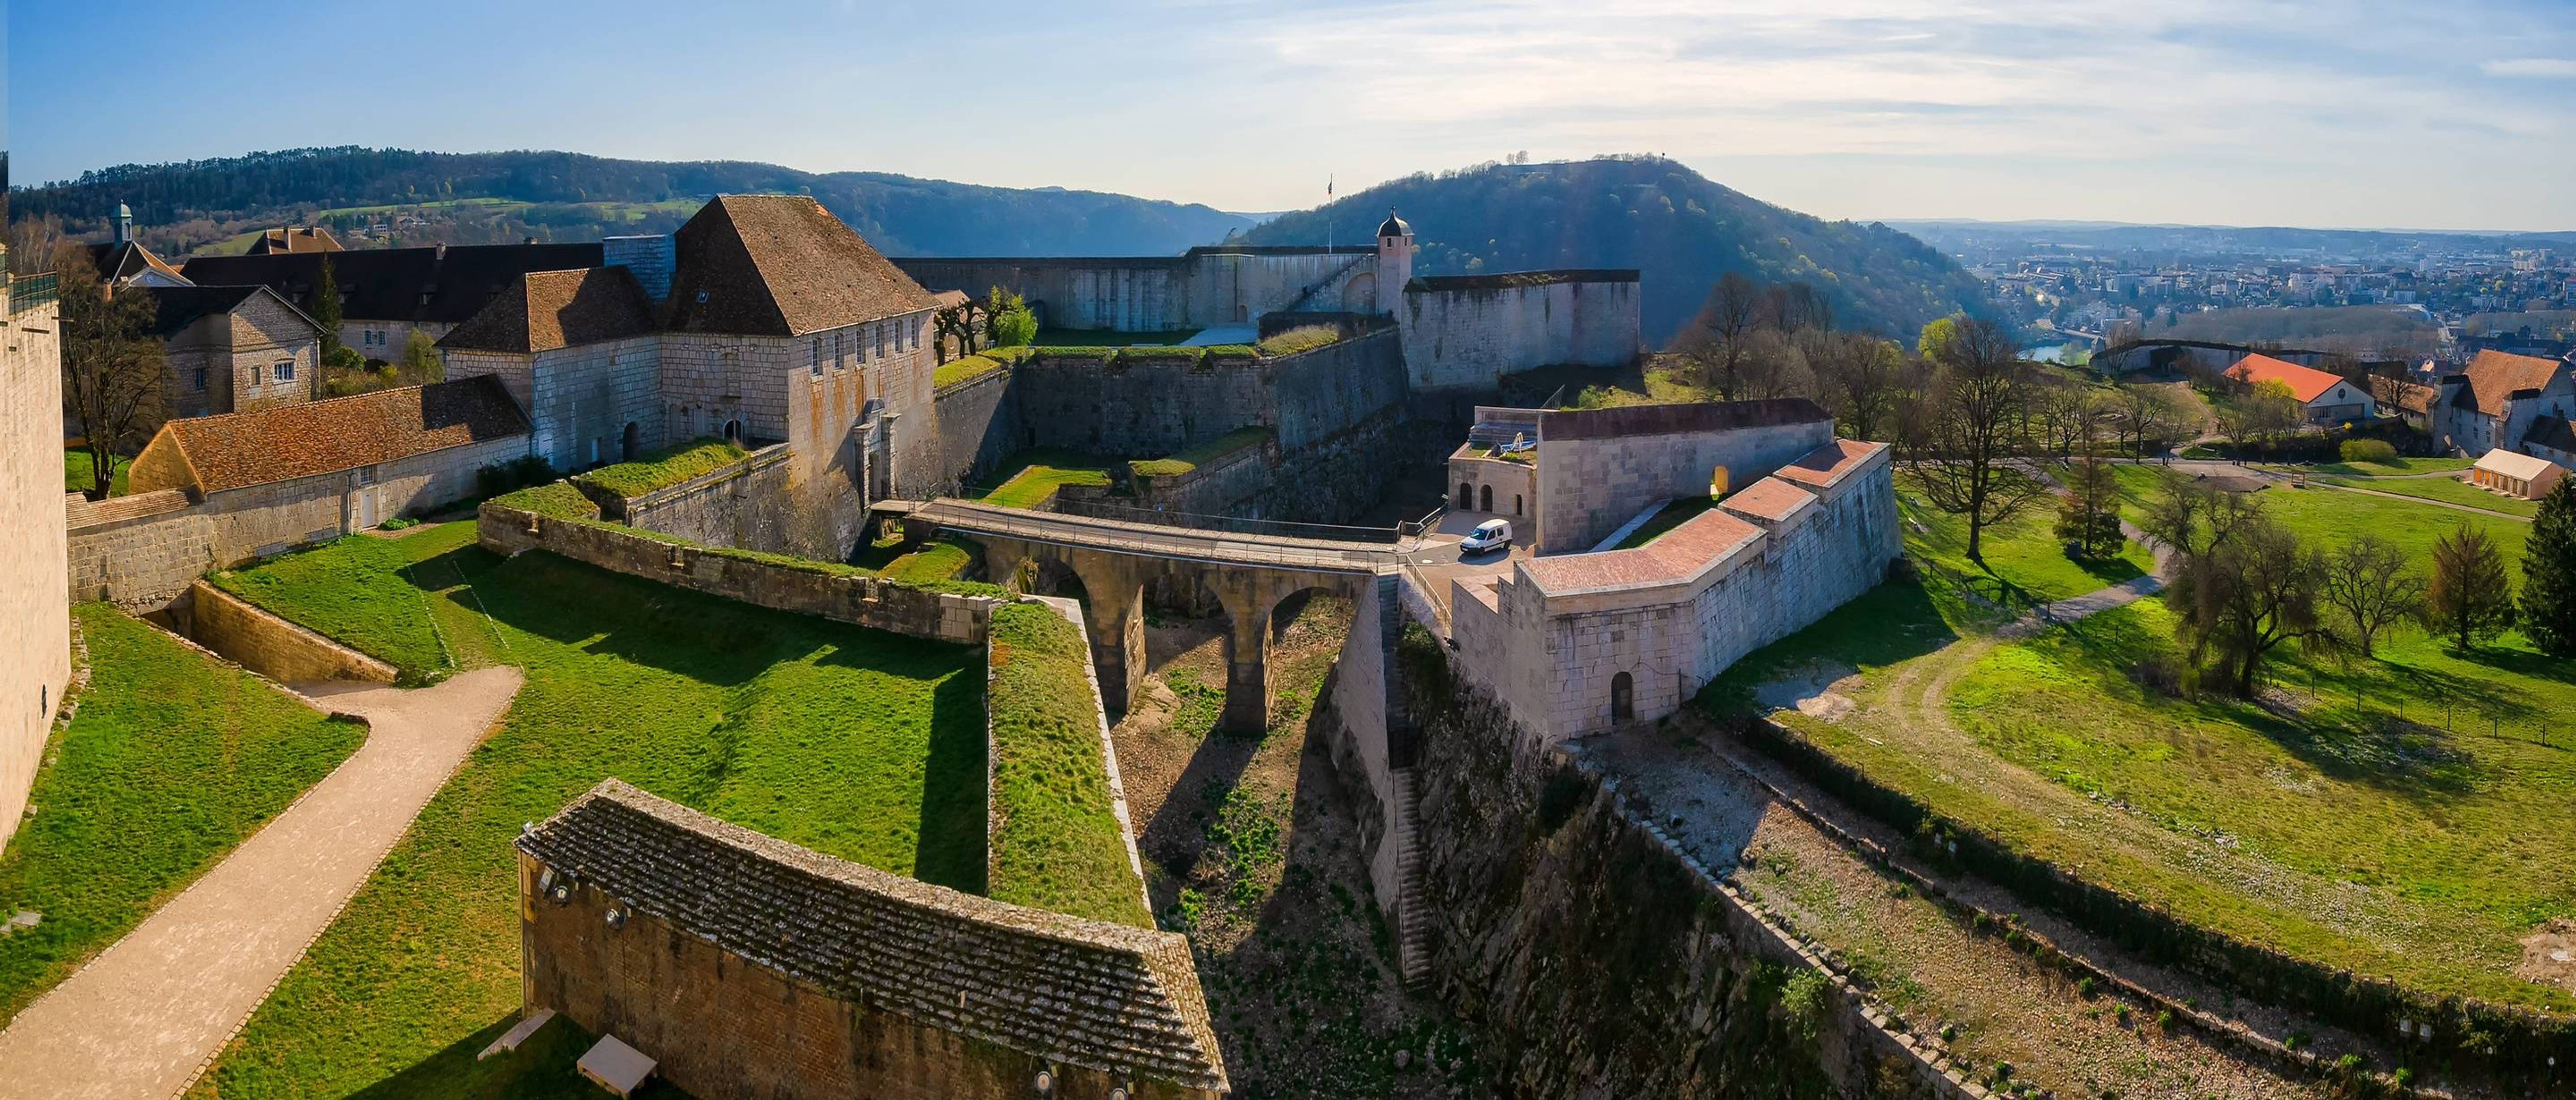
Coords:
pixel 733 431
pixel 1360 295
pixel 1516 504
pixel 1466 496
pixel 630 443
pixel 1485 499
pixel 1623 698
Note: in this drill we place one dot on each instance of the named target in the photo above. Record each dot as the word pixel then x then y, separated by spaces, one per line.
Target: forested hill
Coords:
pixel 1674 225
pixel 471 198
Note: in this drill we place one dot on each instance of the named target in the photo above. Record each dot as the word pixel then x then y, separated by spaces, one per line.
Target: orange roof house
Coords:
pixel 2306 383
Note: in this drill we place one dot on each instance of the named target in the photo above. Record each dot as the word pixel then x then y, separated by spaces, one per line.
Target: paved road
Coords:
pixel 2315 484
pixel 142 1019
pixel 1156 540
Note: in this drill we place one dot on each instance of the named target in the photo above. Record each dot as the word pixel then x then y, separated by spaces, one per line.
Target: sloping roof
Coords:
pixel 1695 416
pixel 1826 466
pixel 125 259
pixel 2515 464
pixel 1769 498
pixel 2306 383
pixel 174 308
pixel 319 437
pixel 2495 376
pixel 2403 395
pixel 1394 226
pixel 387 284
pixel 1104 996
pixel 544 310
pixel 1676 555
pixel 780 265
pixel 294 238
pixel 2552 432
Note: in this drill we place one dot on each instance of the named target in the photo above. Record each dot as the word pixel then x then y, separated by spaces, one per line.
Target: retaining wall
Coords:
pixel 271 646
pixel 742 505
pixel 805 588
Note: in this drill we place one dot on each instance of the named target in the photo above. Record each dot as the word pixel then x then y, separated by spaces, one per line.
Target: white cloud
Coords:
pixel 2532 66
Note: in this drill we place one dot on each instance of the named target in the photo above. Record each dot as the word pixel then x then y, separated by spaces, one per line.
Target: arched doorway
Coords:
pixel 1485 501
pixel 1466 496
pixel 1623 698
pixel 1361 295
pixel 1516 504
pixel 733 431
pixel 631 446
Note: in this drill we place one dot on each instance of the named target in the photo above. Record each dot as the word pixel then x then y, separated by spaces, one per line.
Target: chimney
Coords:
pixel 648 258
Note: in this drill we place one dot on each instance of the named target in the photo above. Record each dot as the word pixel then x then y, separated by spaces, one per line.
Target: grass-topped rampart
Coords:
pixel 665 468
pixel 1056 842
pixel 1200 455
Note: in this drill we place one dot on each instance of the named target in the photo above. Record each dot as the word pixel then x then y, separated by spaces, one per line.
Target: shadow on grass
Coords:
pixel 543 1068
pixel 1892 623
pixel 951 849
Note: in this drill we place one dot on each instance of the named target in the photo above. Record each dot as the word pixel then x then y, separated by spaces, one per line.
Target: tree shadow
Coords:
pixel 543 1068
pixel 1895 622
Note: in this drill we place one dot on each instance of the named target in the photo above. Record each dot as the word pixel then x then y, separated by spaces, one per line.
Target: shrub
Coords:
pixel 2367 450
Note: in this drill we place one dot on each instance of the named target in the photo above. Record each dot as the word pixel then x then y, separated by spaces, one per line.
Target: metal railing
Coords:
pixel 1156 541
pixel 29 291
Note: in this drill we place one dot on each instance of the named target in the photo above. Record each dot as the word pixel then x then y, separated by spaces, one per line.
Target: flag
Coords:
pixel 1328 187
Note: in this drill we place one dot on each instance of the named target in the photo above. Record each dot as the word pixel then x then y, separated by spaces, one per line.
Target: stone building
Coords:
pixel 2499 399
pixel 577 349
pixel 1581 642
pixel 2324 398
pixel 233 348
pixel 1579 476
pixel 747 966
pixel 35 619
pixel 386 294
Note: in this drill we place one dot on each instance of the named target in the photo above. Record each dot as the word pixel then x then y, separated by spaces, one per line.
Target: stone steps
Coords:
pixel 1413 946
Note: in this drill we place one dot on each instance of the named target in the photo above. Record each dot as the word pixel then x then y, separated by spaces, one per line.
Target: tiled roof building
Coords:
pixel 750 966
pixel 214 454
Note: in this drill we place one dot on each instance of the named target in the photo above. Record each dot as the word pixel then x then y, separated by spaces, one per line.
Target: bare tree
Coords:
pixel 1970 435
pixel 2369 586
pixel 1775 365
pixel 1716 339
pixel 2062 417
pixel 112 366
pixel 2246 596
pixel 2194 517
pixel 36 241
pixel 959 328
pixel 1860 376
pixel 1794 308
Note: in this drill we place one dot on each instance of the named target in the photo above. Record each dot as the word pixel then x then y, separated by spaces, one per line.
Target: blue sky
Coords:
pixel 2308 112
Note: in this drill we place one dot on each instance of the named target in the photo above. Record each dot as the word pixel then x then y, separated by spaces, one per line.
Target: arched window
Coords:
pixel 631 447
pixel 1486 504
pixel 1623 698
pixel 733 431
pixel 1516 504
pixel 1466 496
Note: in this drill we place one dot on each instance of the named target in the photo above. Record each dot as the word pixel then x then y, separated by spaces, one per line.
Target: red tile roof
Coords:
pixel 1826 465
pixel 320 437
pixel 2306 383
pixel 545 310
pixel 1769 498
pixel 1673 556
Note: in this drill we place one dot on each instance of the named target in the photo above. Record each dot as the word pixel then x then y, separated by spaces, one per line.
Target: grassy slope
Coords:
pixel 1030 478
pixel 1206 452
pixel 173 760
pixel 666 467
pixel 857 743
pixel 368 593
pixel 2024 562
pixel 1672 515
pixel 1056 845
pixel 78 472
pixel 2441 489
pixel 2434 824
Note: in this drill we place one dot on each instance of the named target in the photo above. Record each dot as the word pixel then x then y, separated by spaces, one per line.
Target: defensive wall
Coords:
pixel 1466 331
pixel 1597 467
pixel 35 621
pixel 744 504
pixel 2176 355
pixel 271 646
pixel 1204 287
pixel 142 551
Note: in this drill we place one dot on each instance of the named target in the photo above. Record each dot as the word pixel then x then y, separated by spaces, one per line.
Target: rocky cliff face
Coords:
pixel 1593 961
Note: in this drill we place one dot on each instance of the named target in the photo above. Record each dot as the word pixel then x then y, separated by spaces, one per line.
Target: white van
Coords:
pixel 1489 535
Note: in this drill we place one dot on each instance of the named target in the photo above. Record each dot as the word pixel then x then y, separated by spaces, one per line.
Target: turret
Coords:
pixel 1394 260
pixel 124 224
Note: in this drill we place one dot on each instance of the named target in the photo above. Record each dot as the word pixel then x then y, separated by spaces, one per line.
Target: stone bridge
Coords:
pixel 1250 575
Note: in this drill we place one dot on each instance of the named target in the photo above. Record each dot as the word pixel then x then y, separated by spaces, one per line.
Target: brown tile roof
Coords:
pixel 545 310
pixel 125 260
pixel 780 265
pixel 294 238
pixel 1675 555
pixel 319 437
pixel 1769 498
pixel 2403 395
pixel 389 284
pixel 1696 416
pixel 1093 994
pixel 1825 466
pixel 2495 376
pixel 2306 383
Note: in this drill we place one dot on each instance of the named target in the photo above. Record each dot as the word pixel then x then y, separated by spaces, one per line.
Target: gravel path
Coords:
pixel 144 1018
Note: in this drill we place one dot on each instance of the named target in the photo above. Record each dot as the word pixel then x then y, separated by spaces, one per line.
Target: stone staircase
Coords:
pixel 1412 931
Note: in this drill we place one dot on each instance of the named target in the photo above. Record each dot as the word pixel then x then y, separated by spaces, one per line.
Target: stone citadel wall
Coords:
pixel 1468 331
pixel 35 622
pixel 1204 287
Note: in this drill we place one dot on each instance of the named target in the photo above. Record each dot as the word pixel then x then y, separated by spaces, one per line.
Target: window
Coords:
pixel 286 371
pixel 838 352
pixel 201 379
pixel 814 356
pixel 881 338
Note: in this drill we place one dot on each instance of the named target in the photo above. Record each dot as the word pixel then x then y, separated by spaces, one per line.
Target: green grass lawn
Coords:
pixel 937 561
pixel 2395 467
pixel 173 759
pixel 2366 818
pixel 1031 478
pixel 2442 489
pixel 2326 518
pixel 857 743
pixel 79 472
pixel 1192 458
pixel 666 467
pixel 1670 516
pixel 2025 564
pixel 1106 338
pixel 1056 844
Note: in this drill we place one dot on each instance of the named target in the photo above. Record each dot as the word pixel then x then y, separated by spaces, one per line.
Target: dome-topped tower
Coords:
pixel 124 223
pixel 1394 261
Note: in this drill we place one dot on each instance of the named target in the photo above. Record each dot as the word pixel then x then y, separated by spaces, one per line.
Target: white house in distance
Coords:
pixel 2323 398
pixel 2515 474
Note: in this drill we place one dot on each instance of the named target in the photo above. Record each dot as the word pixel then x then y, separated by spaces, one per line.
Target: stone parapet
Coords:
pixel 274 647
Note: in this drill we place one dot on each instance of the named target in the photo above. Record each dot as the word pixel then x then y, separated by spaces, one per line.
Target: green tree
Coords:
pixel 421 363
pixel 326 307
pixel 2253 591
pixel 1936 338
pixel 2088 514
pixel 2549 573
pixel 1009 321
pixel 2471 599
